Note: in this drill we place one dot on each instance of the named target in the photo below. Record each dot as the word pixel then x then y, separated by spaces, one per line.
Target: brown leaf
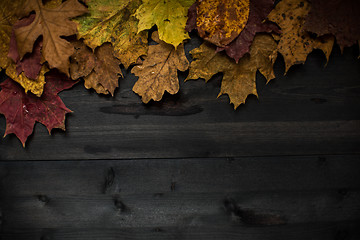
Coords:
pixel 105 76
pixel 82 62
pixel 52 24
pixel 295 44
pixel 259 10
pixel 158 73
pixel 239 80
pixel 220 22
pixel 338 17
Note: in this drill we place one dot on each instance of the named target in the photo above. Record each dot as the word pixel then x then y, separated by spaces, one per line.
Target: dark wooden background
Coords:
pixel 284 166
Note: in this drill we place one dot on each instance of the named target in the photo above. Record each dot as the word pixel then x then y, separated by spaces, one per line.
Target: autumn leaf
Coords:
pixel 338 17
pixel 105 76
pixel 158 73
pixel 168 15
pixel 82 62
pixel 259 10
pixel 239 80
pixel 51 24
pixel 22 110
pixel 220 22
pixel 31 62
pixel 8 16
pixel 295 44
pixel 113 21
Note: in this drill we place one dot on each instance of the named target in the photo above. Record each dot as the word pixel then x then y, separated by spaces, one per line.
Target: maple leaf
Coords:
pixel 158 72
pixel 239 80
pixel 220 22
pixel 295 44
pixel 8 16
pixel 23 110
pixel 105 76
pixel 51 24
pixel 113 21
pixel 31 63
pixel 259 10
pixel 82 62
pixel 338 17
pixel 168 15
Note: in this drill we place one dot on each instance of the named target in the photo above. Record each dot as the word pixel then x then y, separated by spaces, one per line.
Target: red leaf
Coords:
pixel 23 110
pixel 259 10
pixel 31 62
pixel 338 17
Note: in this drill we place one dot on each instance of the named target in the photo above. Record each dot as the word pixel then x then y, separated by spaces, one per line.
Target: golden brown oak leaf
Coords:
pixel 239 80
pixel 219 21
pixel 158 72
pixel 50 23
pixel 295 44
pixel 8 16
pixel 113 21
pixel 82 62
pixel 105 76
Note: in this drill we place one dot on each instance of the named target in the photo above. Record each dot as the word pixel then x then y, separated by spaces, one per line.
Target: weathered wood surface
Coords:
pixel 311 110
pixel 222 198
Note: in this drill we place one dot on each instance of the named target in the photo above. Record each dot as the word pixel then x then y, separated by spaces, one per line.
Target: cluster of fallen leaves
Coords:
pixel 47 46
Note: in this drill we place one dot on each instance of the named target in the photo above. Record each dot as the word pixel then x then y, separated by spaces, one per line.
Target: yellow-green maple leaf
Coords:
pixel 169 16
pixel 239 80
pixel 112 21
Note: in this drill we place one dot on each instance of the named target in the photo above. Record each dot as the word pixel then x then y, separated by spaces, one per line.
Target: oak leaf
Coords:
pixel 338 17
pixel 158 72
pixel 22 110
pixel 105 76
pixel 51 24
pixel 168 15
pixel 259 10
pixel 220 22
pixel 31 62
pixel 8 16
pixel 82 62
pixel 239 79
pixel 113 21
pixel 295 44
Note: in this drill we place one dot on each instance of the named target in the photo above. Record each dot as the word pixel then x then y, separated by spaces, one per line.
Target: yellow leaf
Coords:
pixel 8 16
pixel 158 73
pixel 239 80
pixel 169 16
pixel 35 86
pixel 295 44
pixel 220 22
pixel 112 21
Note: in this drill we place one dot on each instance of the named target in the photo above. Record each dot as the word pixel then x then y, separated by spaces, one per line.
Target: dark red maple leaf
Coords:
pixel 259 10
pixel 23 110
pixel 31 62
pixel 338 17
pixel 191 22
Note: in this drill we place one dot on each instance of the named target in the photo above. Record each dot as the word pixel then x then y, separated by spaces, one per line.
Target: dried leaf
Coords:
pixel 259 10
pixel 158 73
pixel 239 80
pixel 113 21
pixel 338 17
pixel 31 62
pixel 168 15
pixel 51 24
pixel 105 76
pixel 23 110
pixel 220 22
pixel 82 62
pixel 8 16
pixel 295 44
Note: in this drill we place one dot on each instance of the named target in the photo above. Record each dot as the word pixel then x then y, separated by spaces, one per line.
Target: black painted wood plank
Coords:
pixel 311 110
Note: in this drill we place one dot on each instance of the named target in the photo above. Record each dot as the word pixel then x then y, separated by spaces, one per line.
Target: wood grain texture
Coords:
pixel 221 198
pixel 311 110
